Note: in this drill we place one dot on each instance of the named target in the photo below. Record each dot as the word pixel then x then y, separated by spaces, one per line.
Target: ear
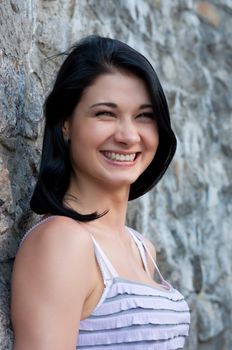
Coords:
pixel 66 128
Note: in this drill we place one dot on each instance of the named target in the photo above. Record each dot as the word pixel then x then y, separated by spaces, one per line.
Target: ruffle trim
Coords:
pixel 135 318
pixel 127 302
pixel 120 286
pixel 171 344
pixel 135 334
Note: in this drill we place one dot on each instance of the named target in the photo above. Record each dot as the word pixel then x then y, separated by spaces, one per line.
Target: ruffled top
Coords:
pixel 133 315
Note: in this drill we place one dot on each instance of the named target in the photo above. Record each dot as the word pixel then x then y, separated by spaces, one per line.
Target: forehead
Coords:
pixel 118 87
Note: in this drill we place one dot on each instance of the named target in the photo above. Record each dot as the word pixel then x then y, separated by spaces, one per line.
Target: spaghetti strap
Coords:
pixel 163 281
pixel 141 251
pixel 140 238
pixel 107 269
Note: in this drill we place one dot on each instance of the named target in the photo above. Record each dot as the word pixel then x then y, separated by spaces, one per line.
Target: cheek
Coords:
pixel 89 138
pixel 156 141
pixel 152 139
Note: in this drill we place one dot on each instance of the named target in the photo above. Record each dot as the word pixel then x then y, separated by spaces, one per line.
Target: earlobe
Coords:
pixel 65 127
pixel 65 130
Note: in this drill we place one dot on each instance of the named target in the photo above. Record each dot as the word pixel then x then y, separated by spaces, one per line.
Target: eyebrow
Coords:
pixel 114 105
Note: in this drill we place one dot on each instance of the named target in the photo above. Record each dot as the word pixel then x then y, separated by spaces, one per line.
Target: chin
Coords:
pixel 121 183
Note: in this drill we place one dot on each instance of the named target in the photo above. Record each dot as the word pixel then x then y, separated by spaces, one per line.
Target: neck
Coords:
pixel 100 200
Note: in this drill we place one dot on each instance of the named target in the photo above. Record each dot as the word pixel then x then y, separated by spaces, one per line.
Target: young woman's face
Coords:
pixel 113 132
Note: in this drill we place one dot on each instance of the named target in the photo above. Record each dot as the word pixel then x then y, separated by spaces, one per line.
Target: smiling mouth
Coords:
pixel 119 157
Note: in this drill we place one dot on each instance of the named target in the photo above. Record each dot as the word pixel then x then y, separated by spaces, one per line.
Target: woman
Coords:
pixel 82 278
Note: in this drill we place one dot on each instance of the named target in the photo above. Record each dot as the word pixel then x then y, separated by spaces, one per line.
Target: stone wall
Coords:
pixel 189 215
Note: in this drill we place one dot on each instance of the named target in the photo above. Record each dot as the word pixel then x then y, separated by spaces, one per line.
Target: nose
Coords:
pixel 127 132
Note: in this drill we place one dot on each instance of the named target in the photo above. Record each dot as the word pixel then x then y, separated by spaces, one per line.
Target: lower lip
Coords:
pixel 120 163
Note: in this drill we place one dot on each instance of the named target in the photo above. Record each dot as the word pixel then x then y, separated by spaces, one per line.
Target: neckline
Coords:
pixel 167 287
pixel 164 289
pixel 113 274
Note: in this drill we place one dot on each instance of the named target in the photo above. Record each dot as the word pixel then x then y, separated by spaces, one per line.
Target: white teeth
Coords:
pixel 120 157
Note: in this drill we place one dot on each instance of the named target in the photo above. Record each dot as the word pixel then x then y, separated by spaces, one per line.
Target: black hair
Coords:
pixel 88 59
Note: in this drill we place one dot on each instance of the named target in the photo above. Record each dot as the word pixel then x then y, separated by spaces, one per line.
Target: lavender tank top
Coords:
pixel 133 315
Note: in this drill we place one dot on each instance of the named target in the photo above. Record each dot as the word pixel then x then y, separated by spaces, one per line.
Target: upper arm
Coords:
pixel 49 286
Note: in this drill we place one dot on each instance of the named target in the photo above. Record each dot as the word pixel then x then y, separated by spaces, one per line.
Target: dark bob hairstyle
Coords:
pixel 88 59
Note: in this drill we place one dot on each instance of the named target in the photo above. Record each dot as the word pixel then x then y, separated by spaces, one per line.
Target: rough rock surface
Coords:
pixel 189 215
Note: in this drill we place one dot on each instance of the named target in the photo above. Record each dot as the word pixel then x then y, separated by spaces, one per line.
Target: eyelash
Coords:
pixel 149 115
pixel 104 113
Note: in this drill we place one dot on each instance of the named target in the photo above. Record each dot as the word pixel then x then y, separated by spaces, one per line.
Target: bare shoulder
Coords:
pixel 57 230
pixel 58 248
pixel 49 284
pixel 58 243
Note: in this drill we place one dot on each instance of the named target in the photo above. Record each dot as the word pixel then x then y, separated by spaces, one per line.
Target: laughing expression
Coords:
pixel 113 132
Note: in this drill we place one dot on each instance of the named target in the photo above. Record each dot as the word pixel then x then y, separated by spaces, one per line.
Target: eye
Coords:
pixel 146 116
pixel 105 113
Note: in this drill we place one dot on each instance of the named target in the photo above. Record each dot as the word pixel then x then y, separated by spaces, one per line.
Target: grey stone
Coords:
pixel 188 216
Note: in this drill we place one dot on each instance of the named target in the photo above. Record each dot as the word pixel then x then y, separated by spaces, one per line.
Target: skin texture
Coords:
pixel 125 128
pixel 56 280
